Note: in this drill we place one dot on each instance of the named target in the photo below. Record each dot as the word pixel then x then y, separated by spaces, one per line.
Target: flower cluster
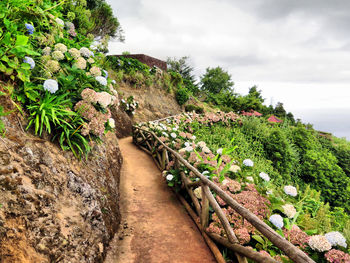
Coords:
pixel 81 63
pixel 75 53
pixel 289 210
pixel 50 85
pixel 319 243
pixel 248 163
pixel 61 47
pixel 57 55
pixel 296 236
pixel 264 176
pixel 95 71
pixel 71 28
pixel 130 105
pixel 337 256
pixel 242 235
pixel 96 119
pixel 290 190
pixel 336 239
pixel 85 52
pixel 30 28
pixel 101 80
pixel 276 220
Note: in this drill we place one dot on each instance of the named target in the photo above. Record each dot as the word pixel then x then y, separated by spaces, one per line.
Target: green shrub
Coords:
pixel 49 112
pixel 195 108
pixel 182 96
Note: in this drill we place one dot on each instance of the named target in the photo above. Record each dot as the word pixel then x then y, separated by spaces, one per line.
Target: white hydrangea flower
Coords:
pixel 85 52
pixel 50 85
pixel 111 122
pixel 264 176
pixel 75 53
pixel 60 21
pixel 169 177
pixel 173 135
pixel 198 192
pixel 219 151
pixel 29 61
pixel 336 239
pixel 113 81
pixel 206 149
pixel 234 168
pixel 194 137
pixel 205 172
pixel 248 163
pixel 276 220
pixel 319 243
pixel 61 47
pixel 289 210
pixel 290 190
pixel 174 129
pixel 250 178
pixel 57 55
pixel 201 144
pixel 95 71
pixel 53 66
pixel 165 134
pixel 101 80
pixel 47 51
pixel 81 63
pixel 91 60
pixel 187 144
pixel 104 98
pixel 189 149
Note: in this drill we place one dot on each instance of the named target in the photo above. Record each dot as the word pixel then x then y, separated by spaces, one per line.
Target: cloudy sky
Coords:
pixel 295 51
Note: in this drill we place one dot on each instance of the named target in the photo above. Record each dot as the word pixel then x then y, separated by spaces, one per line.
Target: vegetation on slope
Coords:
pixel 50 71
pixel 259 165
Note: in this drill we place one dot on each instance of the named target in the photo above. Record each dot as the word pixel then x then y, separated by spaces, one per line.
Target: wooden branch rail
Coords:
pixel 162 155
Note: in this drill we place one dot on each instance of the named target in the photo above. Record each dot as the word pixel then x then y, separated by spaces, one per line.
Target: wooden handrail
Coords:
pixel 289 249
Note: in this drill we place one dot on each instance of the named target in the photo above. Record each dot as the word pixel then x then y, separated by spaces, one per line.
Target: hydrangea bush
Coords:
pixel 51 66
pixel 283 207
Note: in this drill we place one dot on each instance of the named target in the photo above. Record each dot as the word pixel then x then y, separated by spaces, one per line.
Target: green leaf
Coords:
pixel 21 50
pixel 259 239
pixel 22 75
pixel 7 23
pixel 5 58
pixel 9 71
pixel 2 67
pixel 36 123
pixel 21 40
pixel 12 64
pixel 7 39
pixel 25 66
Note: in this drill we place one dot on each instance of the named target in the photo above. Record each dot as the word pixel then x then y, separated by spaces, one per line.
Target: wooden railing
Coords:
pixel 162 155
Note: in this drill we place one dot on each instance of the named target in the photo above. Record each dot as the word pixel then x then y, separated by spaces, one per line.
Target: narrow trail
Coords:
pixel 155 227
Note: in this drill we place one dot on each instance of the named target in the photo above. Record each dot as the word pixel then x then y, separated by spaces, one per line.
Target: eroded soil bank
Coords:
pixel 55 208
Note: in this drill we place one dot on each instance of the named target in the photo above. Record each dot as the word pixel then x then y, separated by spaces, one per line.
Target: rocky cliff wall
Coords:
pixel 55 208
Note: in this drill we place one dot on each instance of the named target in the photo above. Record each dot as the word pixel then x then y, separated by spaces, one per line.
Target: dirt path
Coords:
pixel 155 227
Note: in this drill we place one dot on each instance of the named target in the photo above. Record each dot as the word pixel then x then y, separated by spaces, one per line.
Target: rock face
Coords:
pixel 123 122
pixel 154 102
pixel 53 207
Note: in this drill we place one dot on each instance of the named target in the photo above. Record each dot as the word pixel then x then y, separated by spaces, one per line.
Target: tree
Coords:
pixel 216 80
pixel 105 22
pixel 182 67
pixel 280 111
pixel 253 100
